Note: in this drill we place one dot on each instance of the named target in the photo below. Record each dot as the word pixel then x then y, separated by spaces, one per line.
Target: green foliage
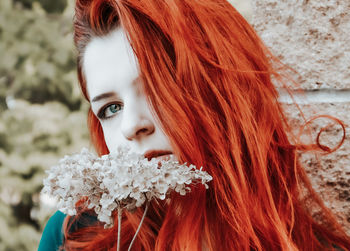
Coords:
pixel 48 5
pixel 36 137
pixel 38 57
pixel 42 114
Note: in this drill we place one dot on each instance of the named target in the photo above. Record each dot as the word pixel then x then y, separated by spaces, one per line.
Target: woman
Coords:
pixel 191 78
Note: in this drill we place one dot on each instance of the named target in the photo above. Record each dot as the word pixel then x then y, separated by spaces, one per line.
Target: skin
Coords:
pixel 117 98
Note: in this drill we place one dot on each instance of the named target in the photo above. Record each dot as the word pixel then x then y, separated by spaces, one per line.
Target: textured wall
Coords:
pixel 313 37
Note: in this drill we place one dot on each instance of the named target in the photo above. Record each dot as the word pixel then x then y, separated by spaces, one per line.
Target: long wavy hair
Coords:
pixel 207 76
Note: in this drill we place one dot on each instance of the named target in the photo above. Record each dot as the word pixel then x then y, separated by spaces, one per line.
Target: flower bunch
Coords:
pixel 120 180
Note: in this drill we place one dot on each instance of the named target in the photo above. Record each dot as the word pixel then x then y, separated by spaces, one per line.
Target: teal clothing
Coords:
pixel 52 237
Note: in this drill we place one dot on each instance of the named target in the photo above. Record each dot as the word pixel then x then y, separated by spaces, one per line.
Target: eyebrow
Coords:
pixel 111 94
pixel 103 96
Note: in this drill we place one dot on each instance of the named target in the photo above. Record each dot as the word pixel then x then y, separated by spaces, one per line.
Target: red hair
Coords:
pixel 208 78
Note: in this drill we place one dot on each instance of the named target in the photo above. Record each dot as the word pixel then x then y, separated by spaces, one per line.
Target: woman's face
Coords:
pixel 117 98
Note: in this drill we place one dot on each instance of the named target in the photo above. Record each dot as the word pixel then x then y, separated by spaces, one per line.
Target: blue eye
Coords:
pixel 109 111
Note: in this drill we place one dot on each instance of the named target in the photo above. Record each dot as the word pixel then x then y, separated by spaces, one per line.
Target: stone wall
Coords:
pixel 313 37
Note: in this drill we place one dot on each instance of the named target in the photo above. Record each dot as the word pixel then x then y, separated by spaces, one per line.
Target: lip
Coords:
pixel 156 153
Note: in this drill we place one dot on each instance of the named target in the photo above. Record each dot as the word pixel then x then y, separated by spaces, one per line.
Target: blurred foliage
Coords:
pixel 42 114
pixel 36 136
pixel 48 5
pixel 38 57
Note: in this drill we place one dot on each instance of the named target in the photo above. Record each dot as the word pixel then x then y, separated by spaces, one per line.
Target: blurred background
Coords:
pixel 42 113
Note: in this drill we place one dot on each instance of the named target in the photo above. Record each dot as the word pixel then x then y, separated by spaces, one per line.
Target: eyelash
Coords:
pixel 102 112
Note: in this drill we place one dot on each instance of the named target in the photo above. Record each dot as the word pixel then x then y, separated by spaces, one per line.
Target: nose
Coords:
pixel 137 127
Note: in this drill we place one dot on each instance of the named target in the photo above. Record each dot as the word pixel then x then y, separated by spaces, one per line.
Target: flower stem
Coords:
pixel 120 211
pixel 139 227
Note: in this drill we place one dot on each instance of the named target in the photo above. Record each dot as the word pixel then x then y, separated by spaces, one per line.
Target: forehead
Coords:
pixel 108 63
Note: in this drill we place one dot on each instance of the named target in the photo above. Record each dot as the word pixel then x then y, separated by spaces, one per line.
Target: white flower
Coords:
pixel 119 180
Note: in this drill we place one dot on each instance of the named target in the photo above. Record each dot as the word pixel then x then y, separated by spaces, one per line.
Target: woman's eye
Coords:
pixel 109 111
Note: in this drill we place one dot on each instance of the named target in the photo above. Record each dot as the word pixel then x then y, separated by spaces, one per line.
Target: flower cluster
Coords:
pixel 117 181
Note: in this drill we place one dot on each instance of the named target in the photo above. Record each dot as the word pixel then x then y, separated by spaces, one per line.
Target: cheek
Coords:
pixel 160 133
pixel 112 136
pixel 163 137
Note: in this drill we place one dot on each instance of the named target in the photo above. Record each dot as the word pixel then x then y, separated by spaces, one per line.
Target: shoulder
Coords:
pixel 52 236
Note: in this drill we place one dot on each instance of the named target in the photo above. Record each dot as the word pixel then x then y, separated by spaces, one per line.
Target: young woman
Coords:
pixel 192 78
